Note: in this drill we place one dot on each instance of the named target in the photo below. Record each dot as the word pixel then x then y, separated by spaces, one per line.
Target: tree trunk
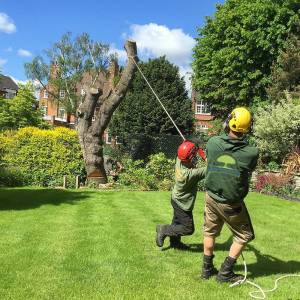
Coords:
pixel 91 132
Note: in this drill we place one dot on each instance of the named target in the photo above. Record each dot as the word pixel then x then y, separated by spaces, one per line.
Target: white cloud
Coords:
pixel 6 24
pixel 2 62
pixel 155 40
pixel 24 53
pixel 121 54
pixel 186 73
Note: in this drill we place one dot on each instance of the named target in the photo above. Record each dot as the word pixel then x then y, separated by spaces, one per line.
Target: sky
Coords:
pixel 159 28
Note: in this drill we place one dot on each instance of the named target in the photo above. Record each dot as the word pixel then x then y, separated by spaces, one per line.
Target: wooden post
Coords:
pixel 77 182
pixel 65 182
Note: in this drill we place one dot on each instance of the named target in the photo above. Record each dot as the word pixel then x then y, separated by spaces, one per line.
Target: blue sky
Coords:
pixel 159 27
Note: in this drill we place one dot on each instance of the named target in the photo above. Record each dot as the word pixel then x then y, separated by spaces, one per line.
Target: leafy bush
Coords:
pixel 21 110
pixel 157 174
pixel 217 127
pixel 277 128
pixel 273 166
pixel 41 157
pixel 11 177
pixel 278 184
pixel 136 176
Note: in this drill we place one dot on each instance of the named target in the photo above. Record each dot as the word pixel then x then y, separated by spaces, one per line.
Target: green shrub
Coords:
pixel 277 129
pixel 278 184
pixel 11 177
pixel 157 174
pixel 41 157
pixel 136 176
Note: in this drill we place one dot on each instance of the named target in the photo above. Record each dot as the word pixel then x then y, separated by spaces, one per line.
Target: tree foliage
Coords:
pixel 277 129
pixel 237 47
pixel 64 65
pixel 20 111
pixel 286 71
pixel 141 114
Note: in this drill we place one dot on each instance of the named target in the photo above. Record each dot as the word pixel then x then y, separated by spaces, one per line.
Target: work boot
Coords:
pixel 175 242
pixel 160 235
pixel 208 269
pixel 226 273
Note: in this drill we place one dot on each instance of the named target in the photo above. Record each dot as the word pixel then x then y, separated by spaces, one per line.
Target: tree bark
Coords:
pixel 91 132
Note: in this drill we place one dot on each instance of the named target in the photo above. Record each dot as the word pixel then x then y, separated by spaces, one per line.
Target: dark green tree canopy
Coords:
pixel 140 112
pixel 286 71
pixel 237 47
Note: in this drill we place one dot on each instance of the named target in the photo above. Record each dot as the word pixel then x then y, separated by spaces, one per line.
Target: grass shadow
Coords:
pixel 269 265
pixel 26 198
pixel 198 247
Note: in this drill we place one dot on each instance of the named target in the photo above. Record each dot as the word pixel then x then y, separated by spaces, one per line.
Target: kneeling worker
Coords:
pixel 230 162
pixel 183 196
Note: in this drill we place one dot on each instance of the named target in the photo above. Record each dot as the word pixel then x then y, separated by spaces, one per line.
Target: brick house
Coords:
pixel 55 113
pixel 8 88
pixel 202 114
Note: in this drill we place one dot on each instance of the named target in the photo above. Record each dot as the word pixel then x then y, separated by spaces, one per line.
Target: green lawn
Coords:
pixel 59 244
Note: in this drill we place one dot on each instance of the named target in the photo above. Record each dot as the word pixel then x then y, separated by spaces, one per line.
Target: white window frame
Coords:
pixel 82 92
pixel 117 143
pixel 108 138
pixel 62 94
pixel 60 115
pixel 201 127
pixel 9 94
pixel 201 106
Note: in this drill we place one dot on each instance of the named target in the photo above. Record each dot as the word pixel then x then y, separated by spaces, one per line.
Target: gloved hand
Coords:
pixel 202 154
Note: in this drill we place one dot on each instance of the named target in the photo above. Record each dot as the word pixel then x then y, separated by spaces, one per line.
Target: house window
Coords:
pixel 44 110
pixel 61 113
pixel 62 94
pixel 108 138
pixel 118 140
pixel 10 94
pixel 82 92
pixel 46 94
pixel 202 108
pixel 201 128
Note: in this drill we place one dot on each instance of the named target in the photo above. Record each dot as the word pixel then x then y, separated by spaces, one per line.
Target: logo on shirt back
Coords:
pixel 225 163
pixel 178 175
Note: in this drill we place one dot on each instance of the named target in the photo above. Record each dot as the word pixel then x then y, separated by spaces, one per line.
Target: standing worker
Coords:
pixel 183 197
pixel 230 163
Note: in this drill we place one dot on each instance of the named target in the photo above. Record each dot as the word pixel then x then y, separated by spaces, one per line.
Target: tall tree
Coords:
pixel 286 71
pixel 21 110
pixel 140 113
pixel 236 48
pixel 68 62
pixel 65 64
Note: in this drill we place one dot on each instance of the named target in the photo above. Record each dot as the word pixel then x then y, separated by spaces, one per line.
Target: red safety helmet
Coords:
pixel 187 151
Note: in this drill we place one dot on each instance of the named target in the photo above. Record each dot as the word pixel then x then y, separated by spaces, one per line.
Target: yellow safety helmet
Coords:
pixel 240 120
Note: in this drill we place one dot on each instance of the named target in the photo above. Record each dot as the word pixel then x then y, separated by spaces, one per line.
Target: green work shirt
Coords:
pixel 230 164
pixel 185 189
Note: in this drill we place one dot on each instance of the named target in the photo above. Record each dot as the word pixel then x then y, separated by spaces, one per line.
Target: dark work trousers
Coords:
pixel 182 224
